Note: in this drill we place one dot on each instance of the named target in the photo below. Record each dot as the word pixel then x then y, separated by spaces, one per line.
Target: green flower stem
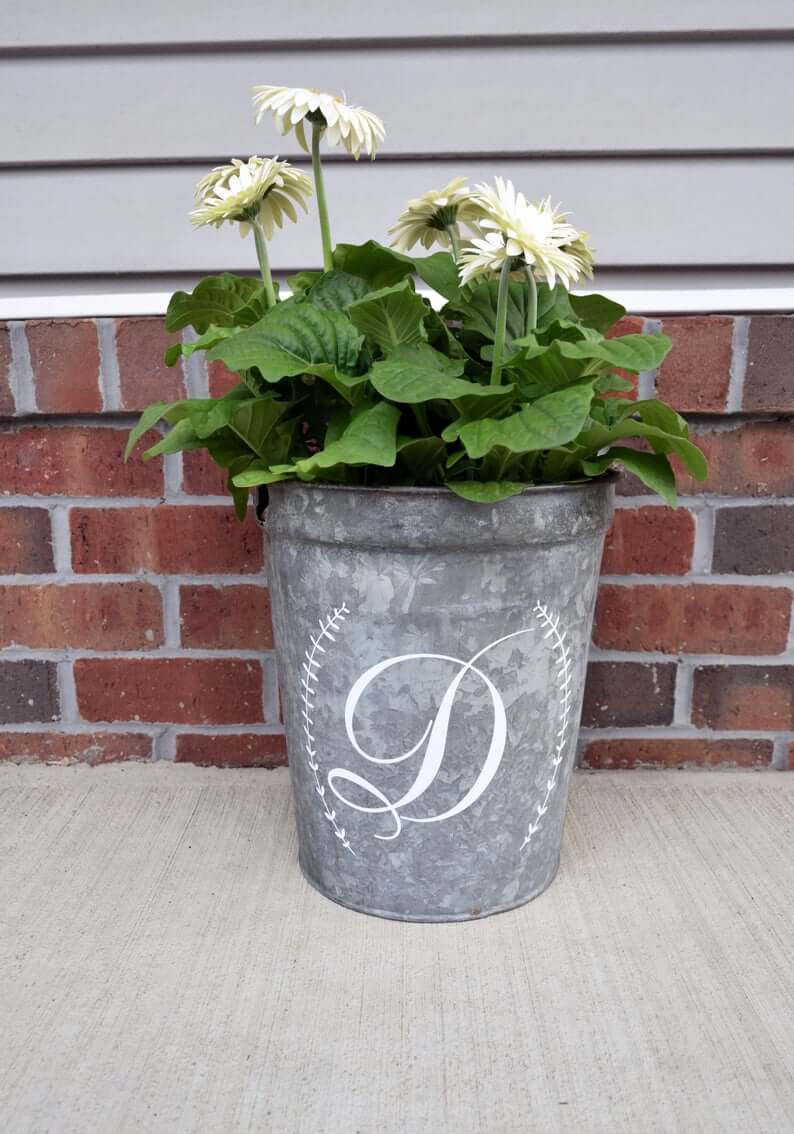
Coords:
pixel 454 239
pixel 532 301
pixel 319 188
pixel 501 323
pixel 264 263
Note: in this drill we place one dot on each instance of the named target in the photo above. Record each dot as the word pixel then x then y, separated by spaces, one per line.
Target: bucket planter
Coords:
pixel 438 472
pixel 432 656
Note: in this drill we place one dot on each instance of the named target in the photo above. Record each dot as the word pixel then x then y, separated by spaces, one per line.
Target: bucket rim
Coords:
pixel 441 490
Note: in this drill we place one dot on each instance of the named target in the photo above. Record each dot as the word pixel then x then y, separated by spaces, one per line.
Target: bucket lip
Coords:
pixel 441 491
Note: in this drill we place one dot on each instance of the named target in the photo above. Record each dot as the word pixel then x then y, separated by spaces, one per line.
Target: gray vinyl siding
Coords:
pixel 47 23
pixel 667 130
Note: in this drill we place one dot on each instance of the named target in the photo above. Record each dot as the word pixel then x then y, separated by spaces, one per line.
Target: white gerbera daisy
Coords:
pixel 535 235
pixel 260 190
pixel 219 176
pixel 485 255
pixel 350 126
pixel 427 220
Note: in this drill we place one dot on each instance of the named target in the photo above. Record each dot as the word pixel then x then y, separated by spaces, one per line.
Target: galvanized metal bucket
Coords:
pixel 432 656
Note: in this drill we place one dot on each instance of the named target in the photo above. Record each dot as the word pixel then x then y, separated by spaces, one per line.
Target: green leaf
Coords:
pixel 664 417
pixel 178 439
pixel 554 303
pixel 607 411
pixel 210 337
pixel 560 330
pixel 369 439
pixel 293 340
pixel 492 400
pixel 541 369
pixel 172 412
pixel 597 311
pixel 205 416
pixel 337 424
pixel 226 449
pixel 150 416
pixel 379 266
pixel 418 373
pixel 335 291
pixel 659 440
pixel 217 300
pixel 613 384
pixel 254 422
pixel 209 415
pixel 478 311
pixel 459 457
pixel 258 472
pixel 440 272
pixel 348 386
pixel 552 420
pixel 421 458
pixel 302 281
pixel 391 316
pixel 486 492
pixel 632 352
pixel 239 495
pixel 653 469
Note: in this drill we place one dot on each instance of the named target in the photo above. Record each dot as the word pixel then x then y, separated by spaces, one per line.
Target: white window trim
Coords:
pixel 643 301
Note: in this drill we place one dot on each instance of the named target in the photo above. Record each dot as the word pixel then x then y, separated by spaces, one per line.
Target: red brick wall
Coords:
pixel 136 614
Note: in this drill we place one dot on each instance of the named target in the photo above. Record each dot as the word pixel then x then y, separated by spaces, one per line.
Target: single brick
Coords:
pixel 754 541
pixel 28 692
pixel 744 696
pixel 628 694
pixel 7 406
pixel 141 344
pixel 64 355
pixel 196 691
pixel 226 618
pixel 89 616
pixel 756 459
pixel 649 541
pixel 74 748
pixel 628 325
pixel 675 752
pixel 694 619
pixel 25 541
pixel 221 380
pixel 201 476
pixel 71 460
pixel 240 750
pixel 171 538
pixel 769 378
pixel 695 376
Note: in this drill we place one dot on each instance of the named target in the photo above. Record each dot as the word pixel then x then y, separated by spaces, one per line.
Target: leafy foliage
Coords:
pixel 355 379
pixel 291 340
pixel 222 301
pixel 391 316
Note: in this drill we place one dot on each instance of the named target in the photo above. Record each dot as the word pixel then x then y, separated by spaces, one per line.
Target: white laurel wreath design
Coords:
pixel 564 678
pixel 309 684
pixel 564 660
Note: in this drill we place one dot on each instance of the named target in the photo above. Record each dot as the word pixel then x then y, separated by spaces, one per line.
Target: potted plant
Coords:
pixel 440 487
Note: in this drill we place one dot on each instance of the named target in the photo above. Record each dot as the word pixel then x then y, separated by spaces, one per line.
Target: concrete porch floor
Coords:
pixel 164 967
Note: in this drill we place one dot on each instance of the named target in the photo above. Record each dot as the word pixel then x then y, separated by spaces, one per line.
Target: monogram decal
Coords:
pixel 432 744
